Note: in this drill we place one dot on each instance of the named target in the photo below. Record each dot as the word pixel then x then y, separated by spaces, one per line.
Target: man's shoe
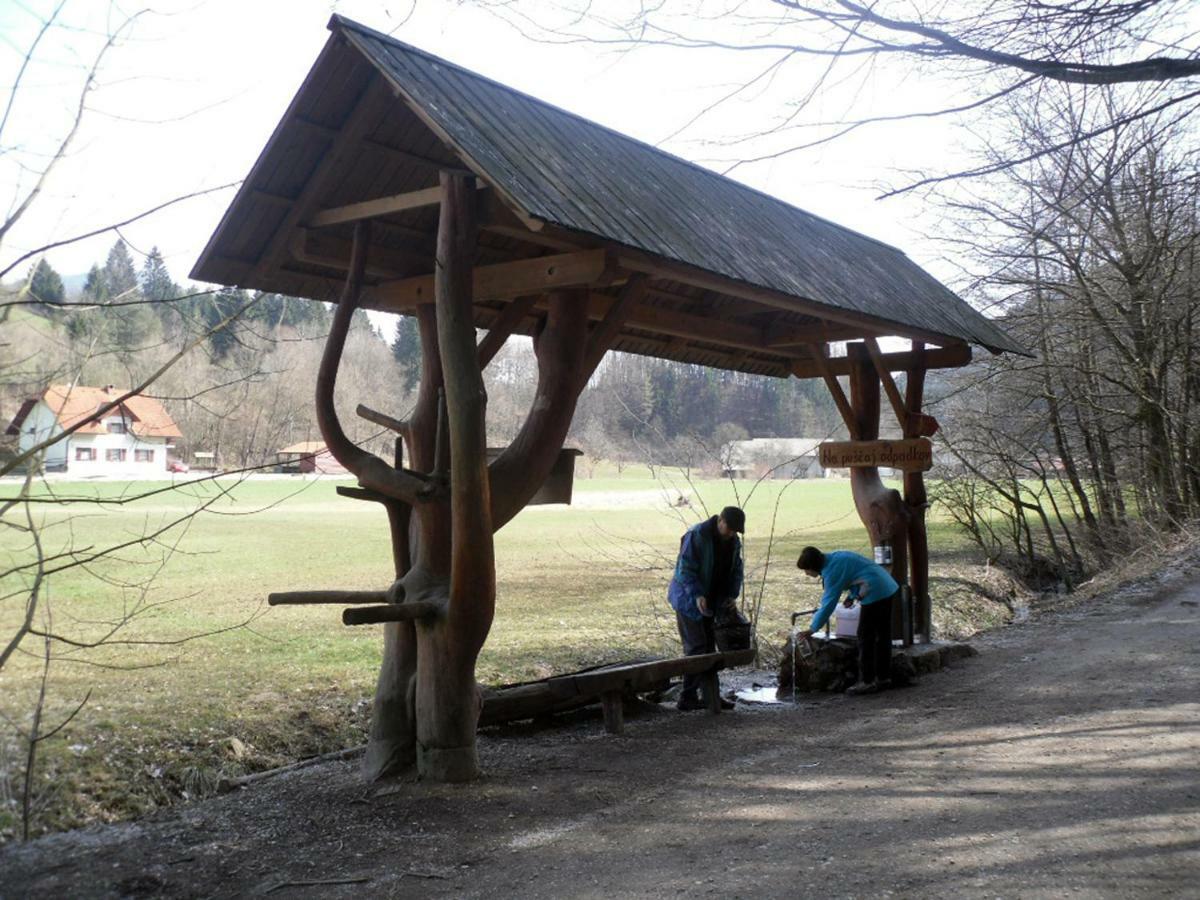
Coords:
pixel 863 688
pixel 689 703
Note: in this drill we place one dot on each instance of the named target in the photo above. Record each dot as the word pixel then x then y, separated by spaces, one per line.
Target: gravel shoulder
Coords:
pixel 1064 758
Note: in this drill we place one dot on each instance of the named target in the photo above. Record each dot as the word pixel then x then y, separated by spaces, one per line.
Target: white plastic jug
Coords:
pixel 846 621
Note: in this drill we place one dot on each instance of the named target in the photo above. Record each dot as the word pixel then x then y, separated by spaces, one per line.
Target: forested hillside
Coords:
pixel 246 392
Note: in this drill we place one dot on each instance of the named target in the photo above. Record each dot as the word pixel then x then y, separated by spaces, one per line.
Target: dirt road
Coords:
pixel 1064 759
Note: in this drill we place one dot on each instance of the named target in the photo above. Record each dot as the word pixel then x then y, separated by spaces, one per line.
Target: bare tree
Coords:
pixel 1092 251
pixel 985 51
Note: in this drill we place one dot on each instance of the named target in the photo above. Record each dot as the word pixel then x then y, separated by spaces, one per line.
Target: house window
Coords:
pixel 115 455
pixel 116 426
pixel 143 456
pixel 85 454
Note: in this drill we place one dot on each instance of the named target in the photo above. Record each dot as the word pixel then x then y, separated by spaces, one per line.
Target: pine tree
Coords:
pixel 406 349
pixel 119 272
pixel 46 286
pixel 95 288
pixel 155 279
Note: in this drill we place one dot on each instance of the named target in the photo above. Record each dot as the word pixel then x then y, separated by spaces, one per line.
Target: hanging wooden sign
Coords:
pixel 912 455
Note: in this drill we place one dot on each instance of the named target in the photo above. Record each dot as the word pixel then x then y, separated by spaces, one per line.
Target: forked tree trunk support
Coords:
pixel 881 508
pixel 445 506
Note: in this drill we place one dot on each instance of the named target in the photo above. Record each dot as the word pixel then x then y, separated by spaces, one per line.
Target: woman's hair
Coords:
pixel 811 559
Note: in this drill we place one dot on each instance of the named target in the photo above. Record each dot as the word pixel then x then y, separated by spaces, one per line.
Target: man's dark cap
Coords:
pixel 734 518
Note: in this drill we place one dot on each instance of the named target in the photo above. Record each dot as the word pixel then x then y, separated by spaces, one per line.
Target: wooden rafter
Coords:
pixel 356 127
pixel 380 206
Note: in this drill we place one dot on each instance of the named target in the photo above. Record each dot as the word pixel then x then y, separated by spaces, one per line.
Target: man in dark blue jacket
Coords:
pixel 708 578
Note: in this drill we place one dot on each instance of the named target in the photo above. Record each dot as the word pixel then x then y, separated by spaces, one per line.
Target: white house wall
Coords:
pixel 42 423
pixel 39 425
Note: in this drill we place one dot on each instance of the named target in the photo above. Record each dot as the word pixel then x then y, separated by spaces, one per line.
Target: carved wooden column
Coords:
pixel 881 508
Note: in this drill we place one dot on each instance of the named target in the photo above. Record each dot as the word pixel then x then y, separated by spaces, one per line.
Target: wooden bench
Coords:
pixel 608 685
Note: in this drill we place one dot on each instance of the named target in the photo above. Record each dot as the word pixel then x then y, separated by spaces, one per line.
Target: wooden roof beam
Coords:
pixel 655 266
pixel 334 253
pixel 951 357
pixel 512 279
pixel 380 206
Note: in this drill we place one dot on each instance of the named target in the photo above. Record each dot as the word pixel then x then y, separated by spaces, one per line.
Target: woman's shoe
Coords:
pixel 863 688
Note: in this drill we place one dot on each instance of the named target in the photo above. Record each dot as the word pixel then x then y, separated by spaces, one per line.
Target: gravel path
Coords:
pixel 1064 759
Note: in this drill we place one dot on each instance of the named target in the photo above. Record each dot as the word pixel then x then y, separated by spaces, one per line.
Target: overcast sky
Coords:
pixel 189 96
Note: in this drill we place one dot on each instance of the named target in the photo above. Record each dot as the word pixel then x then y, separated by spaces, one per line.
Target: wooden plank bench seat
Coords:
pixel 607 684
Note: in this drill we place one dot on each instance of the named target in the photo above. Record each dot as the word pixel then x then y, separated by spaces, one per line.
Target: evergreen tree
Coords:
pixel 406 349
pixel 218 308
pixel 46 286
pixel 155 279
pixel 119 272
pixel 95 288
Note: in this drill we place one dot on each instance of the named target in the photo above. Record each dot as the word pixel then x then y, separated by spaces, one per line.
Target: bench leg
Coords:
pixel 614 712
pixel 712 692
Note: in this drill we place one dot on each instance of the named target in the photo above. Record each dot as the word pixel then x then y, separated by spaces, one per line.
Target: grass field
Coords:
pixel 577 585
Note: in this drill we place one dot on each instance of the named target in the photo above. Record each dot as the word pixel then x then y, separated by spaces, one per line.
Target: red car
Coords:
pixel 177 465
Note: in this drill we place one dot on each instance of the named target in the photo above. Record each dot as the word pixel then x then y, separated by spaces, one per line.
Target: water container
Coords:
pixel 846 621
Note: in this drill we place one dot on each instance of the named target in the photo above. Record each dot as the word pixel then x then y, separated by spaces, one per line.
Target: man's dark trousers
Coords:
pixel 697 637
pixel 875 639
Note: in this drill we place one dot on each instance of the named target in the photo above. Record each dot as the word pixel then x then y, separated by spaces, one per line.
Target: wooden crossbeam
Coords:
pixel 835 389
pixel 380 206
pixel 511 279
pixel 951 357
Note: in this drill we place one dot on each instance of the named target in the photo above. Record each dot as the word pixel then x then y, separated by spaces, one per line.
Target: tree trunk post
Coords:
pixel 917 501
pixel 447 696
pixel 879 507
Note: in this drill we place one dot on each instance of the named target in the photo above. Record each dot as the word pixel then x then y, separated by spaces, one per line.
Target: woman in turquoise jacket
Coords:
pixel 875 590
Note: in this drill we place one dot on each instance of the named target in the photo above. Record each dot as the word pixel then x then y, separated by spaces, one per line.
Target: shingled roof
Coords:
pixel 72 404
pixel 564 177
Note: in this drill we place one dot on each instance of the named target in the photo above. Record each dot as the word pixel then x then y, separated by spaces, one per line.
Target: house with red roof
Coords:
pixel 130 439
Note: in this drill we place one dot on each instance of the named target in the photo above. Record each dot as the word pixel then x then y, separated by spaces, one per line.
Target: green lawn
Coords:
pixel 577 585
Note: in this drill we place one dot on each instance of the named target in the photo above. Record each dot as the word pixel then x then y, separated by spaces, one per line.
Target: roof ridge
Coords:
pixel 338 20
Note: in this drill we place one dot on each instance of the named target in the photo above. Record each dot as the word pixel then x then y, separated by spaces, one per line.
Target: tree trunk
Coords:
pixel 881 508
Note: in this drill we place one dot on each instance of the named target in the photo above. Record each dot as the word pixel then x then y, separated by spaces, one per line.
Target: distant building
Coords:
pixel 129 441
pixel 309 458
pixel 778 457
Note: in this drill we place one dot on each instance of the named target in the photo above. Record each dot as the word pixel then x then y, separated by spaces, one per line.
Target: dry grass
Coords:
pixel 577 586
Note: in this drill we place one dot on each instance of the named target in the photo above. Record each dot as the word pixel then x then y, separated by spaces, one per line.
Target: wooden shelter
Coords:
pixel 401 182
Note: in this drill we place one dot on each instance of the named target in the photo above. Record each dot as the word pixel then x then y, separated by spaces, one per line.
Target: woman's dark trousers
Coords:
pixel 875 640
